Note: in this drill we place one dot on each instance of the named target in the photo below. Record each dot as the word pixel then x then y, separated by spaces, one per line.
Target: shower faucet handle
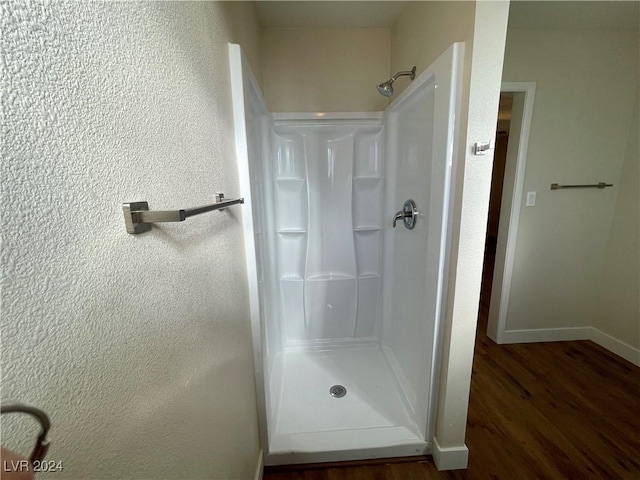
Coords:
pixel 398 216
pixel 408 215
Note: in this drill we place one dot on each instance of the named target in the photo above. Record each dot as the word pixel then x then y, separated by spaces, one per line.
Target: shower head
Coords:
pixel 386 88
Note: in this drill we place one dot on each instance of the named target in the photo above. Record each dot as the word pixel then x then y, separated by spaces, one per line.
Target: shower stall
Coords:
pixel 346 308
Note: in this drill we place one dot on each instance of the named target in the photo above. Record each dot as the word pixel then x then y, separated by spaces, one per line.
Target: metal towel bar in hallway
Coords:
pixel 138 218
pixel 601 185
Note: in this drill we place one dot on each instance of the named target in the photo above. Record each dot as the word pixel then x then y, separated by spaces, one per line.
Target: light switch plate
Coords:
pixel 531 199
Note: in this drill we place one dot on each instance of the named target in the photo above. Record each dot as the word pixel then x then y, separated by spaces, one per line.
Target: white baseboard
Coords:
pixel 450 458
pixel 259 466
pixel 606 341
pixel 546 335
pixel 616 346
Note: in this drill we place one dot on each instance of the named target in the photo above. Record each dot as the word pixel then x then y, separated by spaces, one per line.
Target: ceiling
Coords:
pixel 328 14
pixel 590 15
pixel 574 15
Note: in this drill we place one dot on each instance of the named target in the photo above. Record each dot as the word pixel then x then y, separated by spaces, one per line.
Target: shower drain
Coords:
pixel 338 391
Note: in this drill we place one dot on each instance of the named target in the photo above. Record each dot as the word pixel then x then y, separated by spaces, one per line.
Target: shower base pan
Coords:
pixel 371 420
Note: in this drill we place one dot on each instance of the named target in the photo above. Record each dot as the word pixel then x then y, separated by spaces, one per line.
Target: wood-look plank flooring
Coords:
pixel 564 410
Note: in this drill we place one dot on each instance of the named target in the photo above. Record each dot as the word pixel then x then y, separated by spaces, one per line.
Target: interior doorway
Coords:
pixel 495 200
pixel 514 123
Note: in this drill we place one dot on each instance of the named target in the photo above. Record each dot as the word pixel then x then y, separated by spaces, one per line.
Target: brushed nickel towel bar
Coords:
pixel 601 185
pixel 138 218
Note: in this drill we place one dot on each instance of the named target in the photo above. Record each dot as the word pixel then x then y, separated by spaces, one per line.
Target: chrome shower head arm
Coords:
pixel 411 73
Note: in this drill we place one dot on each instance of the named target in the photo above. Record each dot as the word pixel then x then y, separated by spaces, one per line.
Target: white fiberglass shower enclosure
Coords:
pixel 346 309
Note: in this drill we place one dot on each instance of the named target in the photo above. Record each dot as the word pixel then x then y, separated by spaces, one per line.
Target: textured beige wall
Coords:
pixel 324 69
pixel 618 312
pixel 138 347
pixel 426 29
pixel 423 31
pixel 586 86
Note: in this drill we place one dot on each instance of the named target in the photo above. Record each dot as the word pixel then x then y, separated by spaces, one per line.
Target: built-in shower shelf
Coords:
pixel 324 344
pixel 367 229
pixel 369 275
pixel 367 179
pixel 291 278
pixel 290 180
pixel 332 276
pixel 294 231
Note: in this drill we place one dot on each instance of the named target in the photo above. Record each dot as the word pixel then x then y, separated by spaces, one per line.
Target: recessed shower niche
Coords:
pixel 345 308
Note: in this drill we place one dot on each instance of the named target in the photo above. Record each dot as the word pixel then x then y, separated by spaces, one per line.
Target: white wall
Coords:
pixel 324 69
pixel 586 83
pixel 482 26
pixel 618 312
pixel 138 347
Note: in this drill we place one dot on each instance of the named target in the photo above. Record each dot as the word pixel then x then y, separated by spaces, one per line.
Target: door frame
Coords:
pixel 511 205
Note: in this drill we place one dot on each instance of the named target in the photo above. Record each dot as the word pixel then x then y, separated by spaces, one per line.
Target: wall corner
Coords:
pixel 259 466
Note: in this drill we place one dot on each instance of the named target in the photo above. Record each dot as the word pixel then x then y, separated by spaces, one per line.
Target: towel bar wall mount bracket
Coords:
pixel 138 218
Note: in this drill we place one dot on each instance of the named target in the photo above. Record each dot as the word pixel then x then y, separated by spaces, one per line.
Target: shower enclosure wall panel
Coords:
pixel 328 203
pixel 332 314
pixel 338 297
pixel 252 127
pixel 420 126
